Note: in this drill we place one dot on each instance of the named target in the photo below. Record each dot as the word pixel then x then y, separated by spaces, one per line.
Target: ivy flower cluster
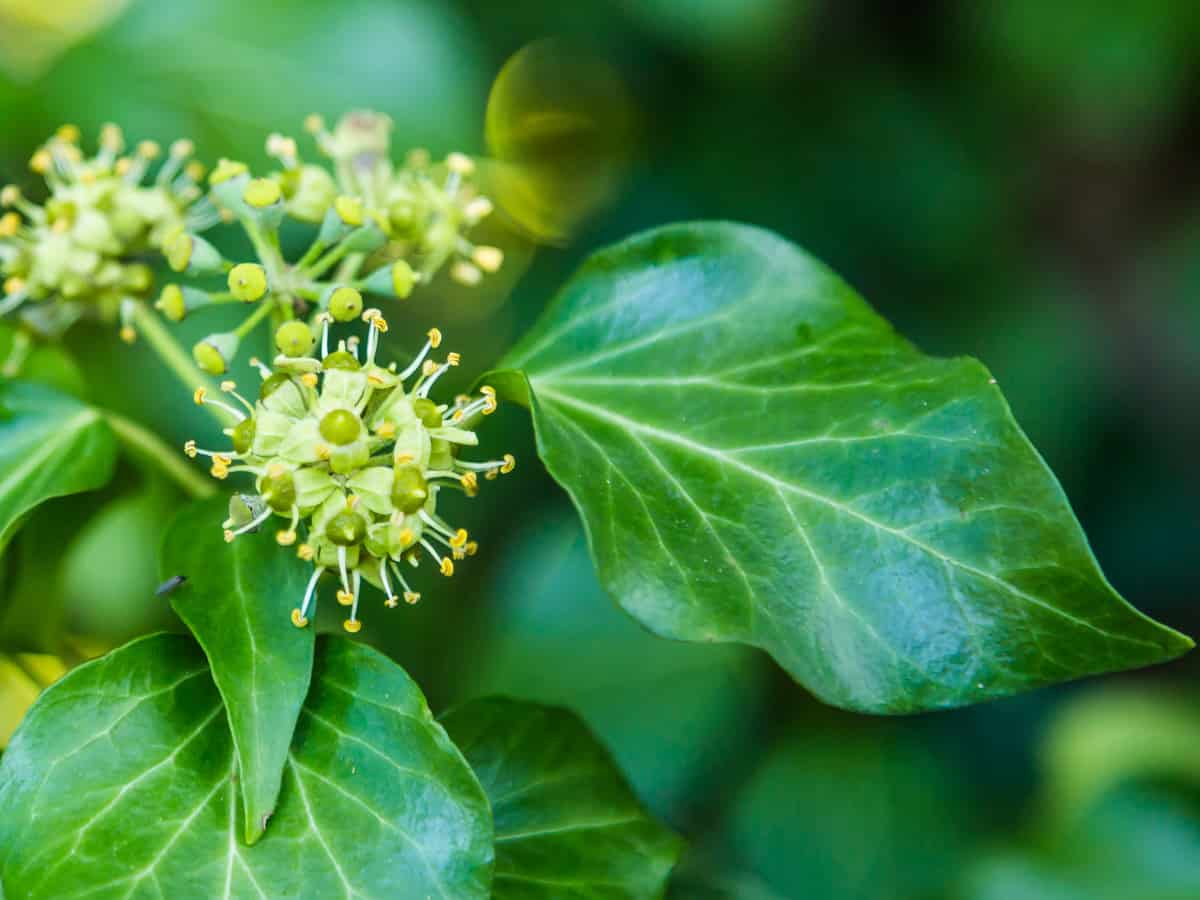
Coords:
pixel 354 454
pixel 381 229
pixel 85 250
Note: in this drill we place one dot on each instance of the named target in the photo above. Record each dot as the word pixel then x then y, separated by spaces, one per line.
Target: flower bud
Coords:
pixel 310 193
pixel 341 427
pixel 192 254
pixel 346 529
pixel 410 490
pixel 396 280
pixel 213 353
pixel 263 199
pixel 248 282
pixel 294 338
pixel 345 303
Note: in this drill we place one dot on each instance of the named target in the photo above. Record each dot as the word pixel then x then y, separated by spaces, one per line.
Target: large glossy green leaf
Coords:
pixel 236 601
pixel 567 825
pixel 50 445
pixel 758 457
pixel 121 782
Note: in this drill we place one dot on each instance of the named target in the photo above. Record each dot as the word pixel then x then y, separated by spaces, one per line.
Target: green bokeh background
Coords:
pixel 1018 181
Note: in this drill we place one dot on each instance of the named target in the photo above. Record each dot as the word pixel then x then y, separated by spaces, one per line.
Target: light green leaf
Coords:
pixel 121 780
pixel 759 458
pixel 236 601
pixel 1107 738
pixel 50 445
pixel 567 825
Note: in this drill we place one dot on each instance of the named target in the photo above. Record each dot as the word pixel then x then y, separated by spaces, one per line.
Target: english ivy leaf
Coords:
pixel 50 445
pixel 758 457
pixel 122 779
pixel 566 823
pixel 236 600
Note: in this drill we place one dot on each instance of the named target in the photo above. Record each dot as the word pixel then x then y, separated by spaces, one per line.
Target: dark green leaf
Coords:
pixel 671 713
pixel 1137 842
pixel 758 457
pixel 121 780
pixel 855 814
pixel 50 445
pixel 567 825
pixel 237 600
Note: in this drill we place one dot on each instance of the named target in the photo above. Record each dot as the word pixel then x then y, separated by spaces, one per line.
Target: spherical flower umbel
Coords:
pixel 85 250
pixel 354 455
pixel 380 229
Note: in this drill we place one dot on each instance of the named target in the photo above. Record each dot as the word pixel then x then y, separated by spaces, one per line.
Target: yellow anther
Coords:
pixel 182 147
pixel 309 379
pixel 123 165
pixel 189 449
pixel 453 359
pixel 406 536
pixel 68 133
pixel 10 222
pixel 305 552
pixel 458 553
pixel 428 368
pixel 460 538
pixel 465 273
pixel 111 138
pixel 9 195
pixel 435 338
pixel 472 548
pixel 510 463
pixel 222 460
pixel 276 470
pixel 460 163
pixel 470 482
pixel 447 566
pixel 219 472
pixel 411 598
pixel 229 536
pixel 229 386
pixel 128 334
pixel 392 602
pixel 491 474
pixel 345 598
pixel 380 323
pixel 323 451
pixel 199 396
pixel 314 124
pixel 489 394
pixel 386 430
pixel 490 259
pixel 375 381
pixel 40 162
pixel 298 620
pixel 285 538
pixel 149 150
pixel 352 625
pixel 195 170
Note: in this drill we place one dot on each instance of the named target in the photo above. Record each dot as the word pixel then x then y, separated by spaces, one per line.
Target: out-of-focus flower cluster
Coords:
pixel 88 248
pixel 380 229
pixel 354 454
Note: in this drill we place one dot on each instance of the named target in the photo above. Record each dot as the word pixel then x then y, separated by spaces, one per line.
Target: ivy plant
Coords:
pixel 755 455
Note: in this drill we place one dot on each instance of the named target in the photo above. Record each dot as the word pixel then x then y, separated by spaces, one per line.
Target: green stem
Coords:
pixel 143 443
pixel 321 266
pixel 264 309
pixel 17 354
pixel 174 357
